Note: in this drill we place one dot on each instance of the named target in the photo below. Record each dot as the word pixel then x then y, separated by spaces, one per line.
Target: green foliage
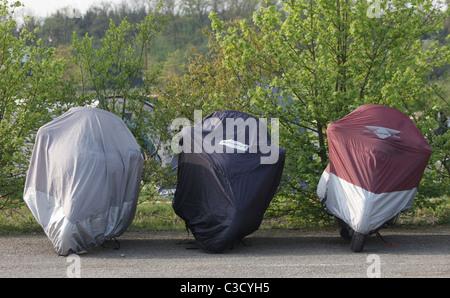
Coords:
pixel 185 21
pixel 319 60
pixel 117 77
pixel 307 63
pixel 436 180
pixel 31 90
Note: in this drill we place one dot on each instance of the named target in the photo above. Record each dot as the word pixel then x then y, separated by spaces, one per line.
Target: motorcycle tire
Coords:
pixel 357 243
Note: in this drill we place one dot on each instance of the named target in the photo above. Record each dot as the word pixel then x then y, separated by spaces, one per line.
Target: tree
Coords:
pixel 117 77
pixel 31 91
pixel 316 61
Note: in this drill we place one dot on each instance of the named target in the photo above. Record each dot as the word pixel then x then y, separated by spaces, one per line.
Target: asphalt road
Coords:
pixel 423 252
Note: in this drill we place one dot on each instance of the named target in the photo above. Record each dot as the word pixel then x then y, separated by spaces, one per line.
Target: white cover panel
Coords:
pixel 362 210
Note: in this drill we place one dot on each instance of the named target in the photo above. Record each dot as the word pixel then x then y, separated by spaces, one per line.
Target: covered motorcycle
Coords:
pixel 377 159
pixel 228 174
pixel 82 184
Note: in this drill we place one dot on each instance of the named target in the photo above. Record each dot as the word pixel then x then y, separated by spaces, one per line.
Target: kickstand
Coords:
pixel 384 241
pixel 115 240
pixel 187 240
pixel 241 240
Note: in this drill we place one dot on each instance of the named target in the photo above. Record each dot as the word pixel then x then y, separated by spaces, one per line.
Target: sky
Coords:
pixel 43 8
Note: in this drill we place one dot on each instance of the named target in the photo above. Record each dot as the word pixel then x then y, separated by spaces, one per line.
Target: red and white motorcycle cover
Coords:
pixel 377 159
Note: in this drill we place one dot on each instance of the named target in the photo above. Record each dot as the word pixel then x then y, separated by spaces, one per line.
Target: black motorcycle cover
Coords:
pixel 228 173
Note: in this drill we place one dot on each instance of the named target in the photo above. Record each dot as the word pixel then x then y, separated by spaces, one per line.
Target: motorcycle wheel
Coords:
pixel 357 243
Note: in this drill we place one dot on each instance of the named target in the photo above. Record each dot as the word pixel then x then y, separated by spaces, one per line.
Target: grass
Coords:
pixel 148 217
pixel 159 216
pixel 19 220
pixel 154 216
pixel 436 214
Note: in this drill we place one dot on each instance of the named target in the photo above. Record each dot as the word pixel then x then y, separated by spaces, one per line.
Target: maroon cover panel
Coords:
pixel 377 148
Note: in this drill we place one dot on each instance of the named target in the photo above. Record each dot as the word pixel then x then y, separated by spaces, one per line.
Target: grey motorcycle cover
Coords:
pixel 83 179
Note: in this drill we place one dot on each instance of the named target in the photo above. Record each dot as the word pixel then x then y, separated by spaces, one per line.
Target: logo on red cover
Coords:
pixel 383 132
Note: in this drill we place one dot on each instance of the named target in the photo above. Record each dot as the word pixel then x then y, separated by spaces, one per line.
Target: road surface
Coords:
pixel 419 252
